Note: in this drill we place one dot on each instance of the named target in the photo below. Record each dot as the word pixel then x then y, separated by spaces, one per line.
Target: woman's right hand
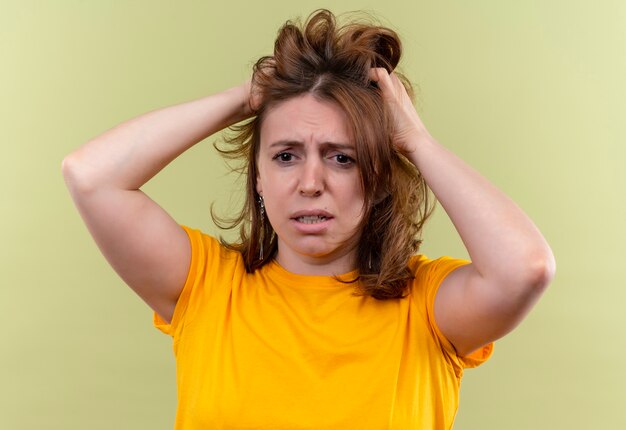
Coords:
pixel 252 98
pixel 141 241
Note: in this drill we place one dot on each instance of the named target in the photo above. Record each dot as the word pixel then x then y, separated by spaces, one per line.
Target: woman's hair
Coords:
pixel 333 63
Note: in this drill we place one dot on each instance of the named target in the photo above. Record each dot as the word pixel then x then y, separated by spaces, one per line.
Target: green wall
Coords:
pixel 531 93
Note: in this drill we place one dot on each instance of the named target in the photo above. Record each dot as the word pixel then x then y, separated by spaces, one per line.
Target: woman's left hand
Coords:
pixel 511 261
pixel 408 127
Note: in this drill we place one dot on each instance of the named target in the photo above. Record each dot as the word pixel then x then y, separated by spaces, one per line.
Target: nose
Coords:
pixel 312 178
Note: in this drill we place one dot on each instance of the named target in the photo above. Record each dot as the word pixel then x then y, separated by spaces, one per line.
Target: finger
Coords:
pixel 384 81
pixel 396 83
pixel 374 73
pixel 254 95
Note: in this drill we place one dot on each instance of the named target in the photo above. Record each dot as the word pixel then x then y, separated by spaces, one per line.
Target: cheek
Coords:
pixel 354 191
pixel 351 203
pixel 279 183
pixel 275 196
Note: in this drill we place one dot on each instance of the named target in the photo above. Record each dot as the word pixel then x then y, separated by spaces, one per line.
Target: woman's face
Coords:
pixel 311 185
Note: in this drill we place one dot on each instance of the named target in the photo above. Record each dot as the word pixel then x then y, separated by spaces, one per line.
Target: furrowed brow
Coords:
pixel 298 144
pixel 334 145
pixel 283 143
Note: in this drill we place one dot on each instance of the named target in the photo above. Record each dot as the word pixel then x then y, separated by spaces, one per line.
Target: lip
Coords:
pixel 316 228
pixel 311 212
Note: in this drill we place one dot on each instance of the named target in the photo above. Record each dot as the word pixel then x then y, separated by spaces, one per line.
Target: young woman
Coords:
pixel 323 315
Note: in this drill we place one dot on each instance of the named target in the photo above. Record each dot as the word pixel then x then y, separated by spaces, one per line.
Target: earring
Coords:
pixel 262 235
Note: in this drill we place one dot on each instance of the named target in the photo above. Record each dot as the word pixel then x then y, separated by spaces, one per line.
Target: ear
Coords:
pixel 259 188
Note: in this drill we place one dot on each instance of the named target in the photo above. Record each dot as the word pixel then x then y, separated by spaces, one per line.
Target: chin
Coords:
pixel 319 248
pixel 315 251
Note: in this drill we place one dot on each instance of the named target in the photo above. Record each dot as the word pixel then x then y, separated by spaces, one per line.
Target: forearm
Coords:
pixel 128 155
pixel 503 243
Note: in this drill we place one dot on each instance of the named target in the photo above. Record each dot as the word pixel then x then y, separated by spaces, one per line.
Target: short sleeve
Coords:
pixel 197 269
pixel 431 274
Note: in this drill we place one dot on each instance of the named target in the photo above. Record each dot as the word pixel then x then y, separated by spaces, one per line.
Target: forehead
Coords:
pixel 305 119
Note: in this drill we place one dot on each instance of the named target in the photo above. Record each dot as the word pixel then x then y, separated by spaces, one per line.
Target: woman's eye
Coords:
pixel 343 159
pixel 284 156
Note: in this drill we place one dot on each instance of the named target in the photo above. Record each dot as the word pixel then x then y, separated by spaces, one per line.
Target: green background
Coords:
pixel 532 94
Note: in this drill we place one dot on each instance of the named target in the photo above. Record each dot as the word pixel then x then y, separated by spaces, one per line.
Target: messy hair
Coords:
pixel 333 63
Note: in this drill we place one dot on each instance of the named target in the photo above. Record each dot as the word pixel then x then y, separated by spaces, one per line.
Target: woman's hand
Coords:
pixel 251 98
pixel 409 129
pixel 511 262
pixel 143 243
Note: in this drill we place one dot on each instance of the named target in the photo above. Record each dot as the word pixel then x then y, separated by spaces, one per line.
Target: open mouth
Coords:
pixel 312 219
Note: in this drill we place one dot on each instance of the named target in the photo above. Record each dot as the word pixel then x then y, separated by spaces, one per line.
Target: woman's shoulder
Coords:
pixel 206 245
pixel 421 266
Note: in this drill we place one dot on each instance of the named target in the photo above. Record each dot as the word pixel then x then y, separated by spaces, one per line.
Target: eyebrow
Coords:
pixel 299 144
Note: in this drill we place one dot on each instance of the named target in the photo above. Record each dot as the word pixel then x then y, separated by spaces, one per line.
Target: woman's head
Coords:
pixel 321 65
pixel 333 64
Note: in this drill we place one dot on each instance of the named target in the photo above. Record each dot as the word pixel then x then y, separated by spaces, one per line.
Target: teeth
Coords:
pixel 311 219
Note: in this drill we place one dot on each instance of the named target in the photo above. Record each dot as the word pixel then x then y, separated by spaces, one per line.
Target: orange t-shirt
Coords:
pixel 275 350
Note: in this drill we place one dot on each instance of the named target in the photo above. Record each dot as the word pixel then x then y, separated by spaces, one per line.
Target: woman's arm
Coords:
pixel 511 261
pixel 144 245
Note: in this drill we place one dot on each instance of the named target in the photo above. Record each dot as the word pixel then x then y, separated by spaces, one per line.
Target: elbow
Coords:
pixel 73 173
pixel 540 271
pixel 527 277
pixel 69 170
pixel 66 166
